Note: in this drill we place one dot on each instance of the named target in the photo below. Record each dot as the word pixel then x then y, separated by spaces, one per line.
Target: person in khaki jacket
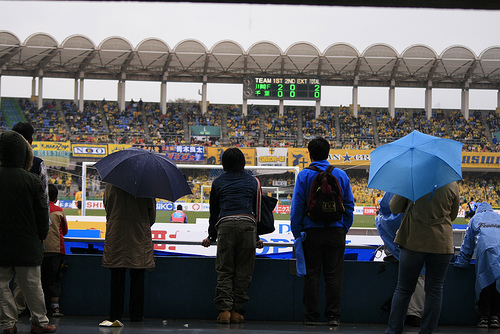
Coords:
pixel 128 244
pixel 425 237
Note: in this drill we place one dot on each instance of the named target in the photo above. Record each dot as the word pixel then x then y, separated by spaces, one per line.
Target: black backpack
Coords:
pixel 324 202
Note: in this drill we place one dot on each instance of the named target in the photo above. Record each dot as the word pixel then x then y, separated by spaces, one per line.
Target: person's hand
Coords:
pixel 206 242
pixel 260 243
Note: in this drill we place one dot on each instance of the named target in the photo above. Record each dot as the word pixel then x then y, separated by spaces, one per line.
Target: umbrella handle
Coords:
pixel 432 193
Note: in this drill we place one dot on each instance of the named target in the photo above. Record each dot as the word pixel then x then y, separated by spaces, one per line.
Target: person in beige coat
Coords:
pixel 128 244
pixel 424 237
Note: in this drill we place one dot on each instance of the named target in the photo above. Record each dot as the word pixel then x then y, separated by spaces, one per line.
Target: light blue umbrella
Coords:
pixel 415 165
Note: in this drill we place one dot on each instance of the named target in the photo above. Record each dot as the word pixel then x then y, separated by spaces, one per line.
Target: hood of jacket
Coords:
pixel 15 151
pixel 483 207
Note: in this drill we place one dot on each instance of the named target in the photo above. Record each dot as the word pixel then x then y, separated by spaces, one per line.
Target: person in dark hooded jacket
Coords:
pixel 24 224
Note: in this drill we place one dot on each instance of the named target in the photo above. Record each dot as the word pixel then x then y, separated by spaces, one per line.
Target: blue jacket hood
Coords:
pixel 483 207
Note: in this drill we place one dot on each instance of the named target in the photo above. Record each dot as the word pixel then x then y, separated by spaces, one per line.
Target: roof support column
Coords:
pixel 355 97
pixel 318 108
pixel 465 101
pixel 121 93
pixel 244 107
pixel 40 90
pixel 281 108
pixel 204 95
pixel 392 99
pixel 163 95
pixel 75 91
pixel 498 99
pixel 80 99
pixel 33 88
pixel 428 99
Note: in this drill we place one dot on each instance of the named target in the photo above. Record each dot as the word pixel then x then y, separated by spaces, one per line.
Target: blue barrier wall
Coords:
pixel 184 287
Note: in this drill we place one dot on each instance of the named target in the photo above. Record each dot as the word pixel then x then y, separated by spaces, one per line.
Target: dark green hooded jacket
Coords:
pixel 24 220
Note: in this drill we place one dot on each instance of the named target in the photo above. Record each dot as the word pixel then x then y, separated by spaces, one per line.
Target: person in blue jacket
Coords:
pixel 387 224
pixel 324 244
pixel 482 237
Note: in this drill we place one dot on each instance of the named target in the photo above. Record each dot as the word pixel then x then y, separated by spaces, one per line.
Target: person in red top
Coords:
pixel 178 216
pixel 53 254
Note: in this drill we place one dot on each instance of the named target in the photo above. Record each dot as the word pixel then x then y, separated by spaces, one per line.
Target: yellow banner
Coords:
pixel 52 145
pixel 112 148
pixel 300 157
pixel 85 150
pixel 214 155
pixel 480 160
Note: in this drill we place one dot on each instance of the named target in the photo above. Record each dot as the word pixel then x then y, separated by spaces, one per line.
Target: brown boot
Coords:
pixel 236 318
pixel 224 317
pixel 37 328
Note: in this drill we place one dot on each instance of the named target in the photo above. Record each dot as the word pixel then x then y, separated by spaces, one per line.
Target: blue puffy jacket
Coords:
pixel 298 218
pixel 387 224
pixel 482 237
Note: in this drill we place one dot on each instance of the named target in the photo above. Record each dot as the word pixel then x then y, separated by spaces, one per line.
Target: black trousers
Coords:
pixel 50 277
pixel 489 301
pixel 117 294
pixel 323 248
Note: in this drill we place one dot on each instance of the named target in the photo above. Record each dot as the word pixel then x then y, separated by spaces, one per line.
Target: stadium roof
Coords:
pixel 463 4
pixel 340 64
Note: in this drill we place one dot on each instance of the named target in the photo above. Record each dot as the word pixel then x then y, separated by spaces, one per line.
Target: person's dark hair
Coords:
pixel 179 207
pixel 53 192
pixel 318 148
pixel 25 129
pixel 233 159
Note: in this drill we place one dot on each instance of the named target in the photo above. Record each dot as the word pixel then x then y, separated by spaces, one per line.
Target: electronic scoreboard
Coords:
pixel 281 88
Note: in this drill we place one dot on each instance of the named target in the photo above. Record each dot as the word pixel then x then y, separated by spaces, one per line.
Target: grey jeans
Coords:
pixel 234 263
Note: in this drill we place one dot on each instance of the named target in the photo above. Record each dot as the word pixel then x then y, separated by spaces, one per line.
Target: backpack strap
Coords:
pixel 329 169
pixel 314 168
pixel 258 202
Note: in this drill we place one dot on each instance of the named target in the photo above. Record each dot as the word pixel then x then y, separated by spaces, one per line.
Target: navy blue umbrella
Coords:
pixel 143 173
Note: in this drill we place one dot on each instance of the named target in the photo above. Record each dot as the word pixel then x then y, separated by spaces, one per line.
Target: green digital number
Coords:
pixel 280 90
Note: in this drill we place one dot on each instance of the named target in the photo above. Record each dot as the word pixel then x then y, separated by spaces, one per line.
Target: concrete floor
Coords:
pixel 84 325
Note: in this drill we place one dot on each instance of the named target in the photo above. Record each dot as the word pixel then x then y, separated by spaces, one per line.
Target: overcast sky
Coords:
pixel 247 24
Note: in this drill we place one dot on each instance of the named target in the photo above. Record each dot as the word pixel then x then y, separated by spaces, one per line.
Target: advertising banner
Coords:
pixel 269 156
pixel 186 153
pixel 214 155
pixel 300 157
pixel 53 153
pixel 480 160
pixel 154 148
pixel 85 150
pixel 112 148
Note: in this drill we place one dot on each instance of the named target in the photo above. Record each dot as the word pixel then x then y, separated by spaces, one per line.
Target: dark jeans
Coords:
pixel 410 266
pixel 489 301
pixel 117 295
pixel 323 247
pixel 234 264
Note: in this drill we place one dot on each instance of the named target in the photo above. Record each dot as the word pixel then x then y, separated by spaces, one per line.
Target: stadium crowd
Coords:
pixel 144 123
pixel 140 122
